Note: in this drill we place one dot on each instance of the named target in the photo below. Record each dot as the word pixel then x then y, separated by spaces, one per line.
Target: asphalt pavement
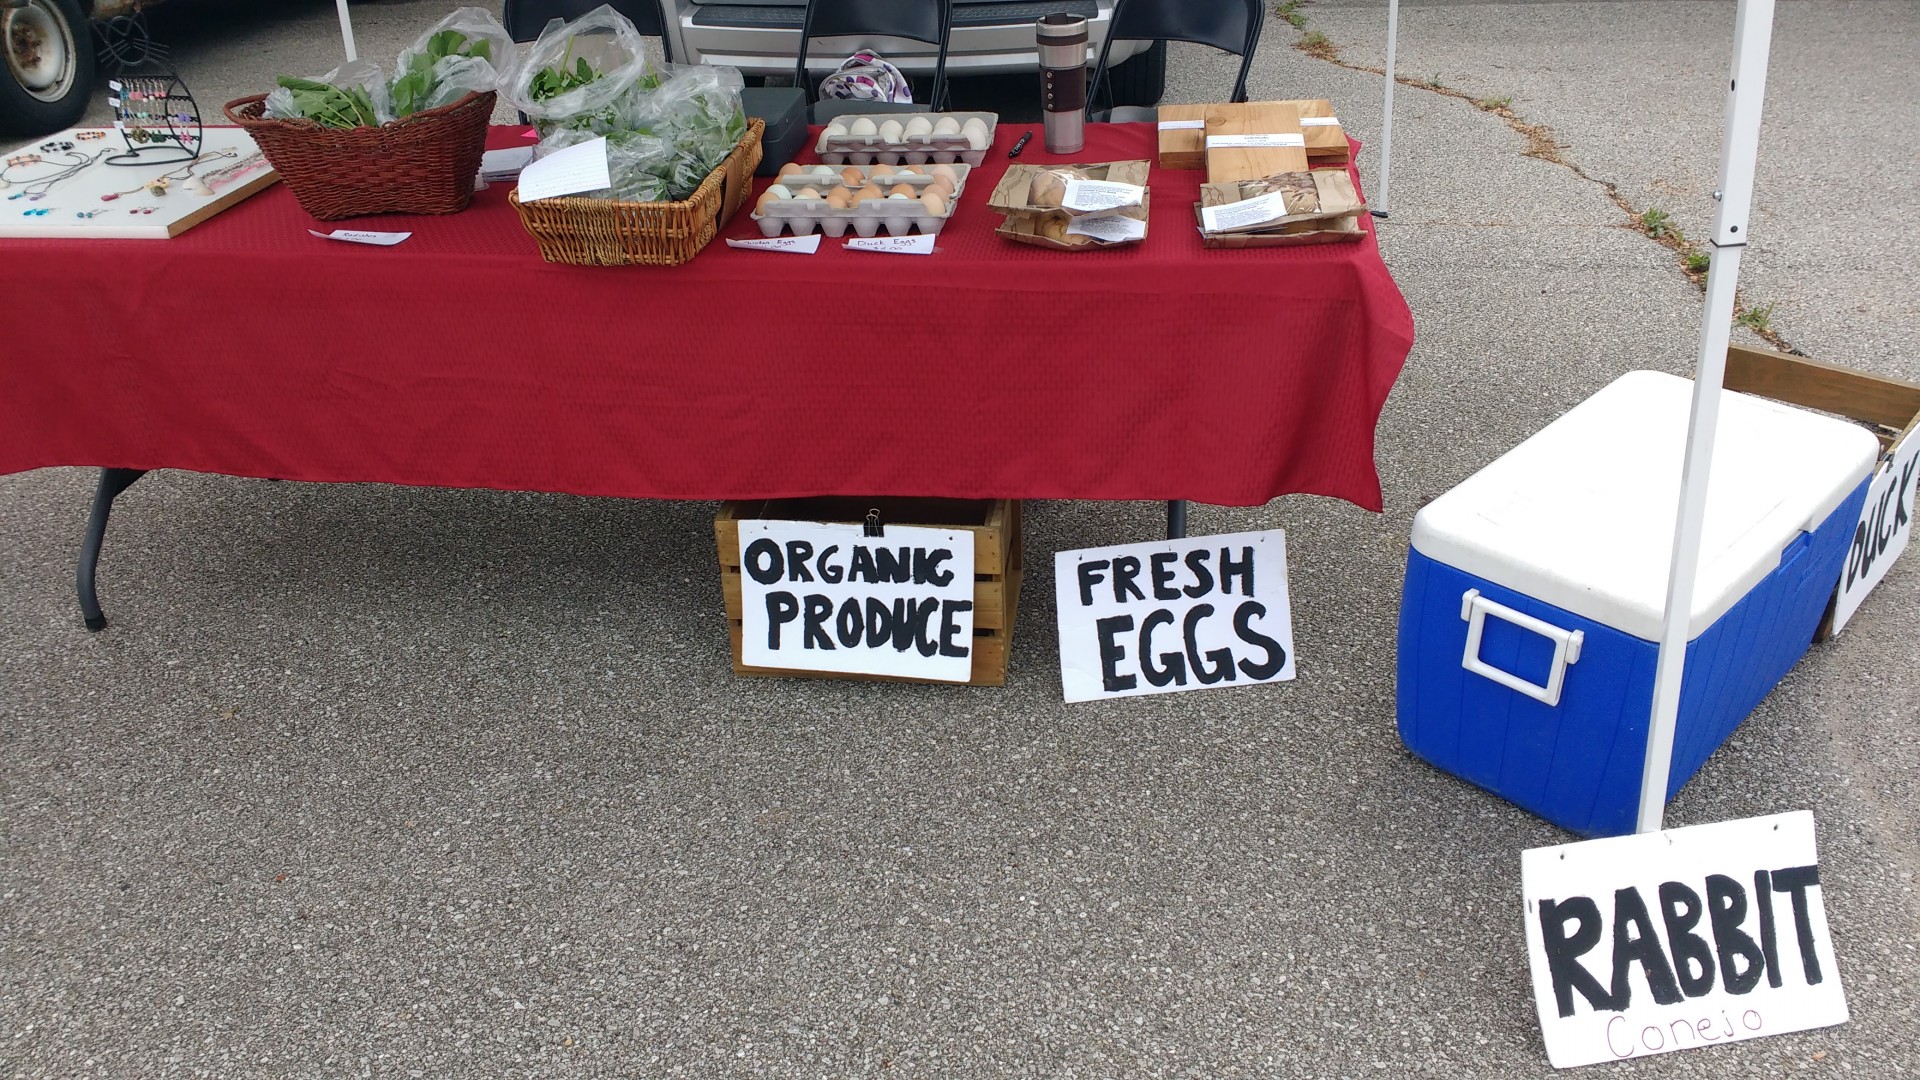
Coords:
pixel 376 781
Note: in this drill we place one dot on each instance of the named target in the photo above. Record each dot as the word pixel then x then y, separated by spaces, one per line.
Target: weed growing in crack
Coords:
pixel 1494 104
pixel 1697 262
pixel 1315 44
pixel 1290 11
pixel 1656 222
pixel 1756 319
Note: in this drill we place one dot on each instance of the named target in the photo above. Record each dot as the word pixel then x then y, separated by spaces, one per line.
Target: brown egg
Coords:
pixel 839 198
pixel 871 191
pixel 935 203
pixel 792 168
pixel 903 189
pixel 852 176
pixel 769 197
pixel 807 193
pixel 942 185
pixel 943 170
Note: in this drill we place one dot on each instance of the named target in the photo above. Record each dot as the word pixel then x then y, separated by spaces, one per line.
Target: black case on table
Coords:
pixel 784 108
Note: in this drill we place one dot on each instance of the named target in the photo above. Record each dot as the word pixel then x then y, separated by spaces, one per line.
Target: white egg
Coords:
pixel 836 129
pixel 919 125
pixel 947 126
pixel 863 129
pixel 825 170
pixel 977 134
pixel 780 191
pixel 891 131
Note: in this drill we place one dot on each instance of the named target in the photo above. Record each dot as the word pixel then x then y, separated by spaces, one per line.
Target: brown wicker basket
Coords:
pixel 602 232
pixel 419 164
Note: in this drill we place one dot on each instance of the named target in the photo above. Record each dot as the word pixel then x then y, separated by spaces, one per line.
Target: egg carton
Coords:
pixel 837 148
pixel 897 216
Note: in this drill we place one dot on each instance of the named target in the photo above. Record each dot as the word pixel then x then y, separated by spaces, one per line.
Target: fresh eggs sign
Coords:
pixel 1176 615
pixel 824 597
pixel 1676 940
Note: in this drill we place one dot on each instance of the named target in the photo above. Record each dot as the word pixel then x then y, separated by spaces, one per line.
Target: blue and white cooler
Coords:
pixel 1531 615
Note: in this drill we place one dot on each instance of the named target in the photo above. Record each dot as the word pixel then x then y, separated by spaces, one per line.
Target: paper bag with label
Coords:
pixel 1059 205
pixel 1321 206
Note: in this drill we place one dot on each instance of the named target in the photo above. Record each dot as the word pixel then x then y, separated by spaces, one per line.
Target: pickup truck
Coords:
pixel 990 37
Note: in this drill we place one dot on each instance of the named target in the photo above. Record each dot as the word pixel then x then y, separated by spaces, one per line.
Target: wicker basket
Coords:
pixel 602 232
pixel 419 164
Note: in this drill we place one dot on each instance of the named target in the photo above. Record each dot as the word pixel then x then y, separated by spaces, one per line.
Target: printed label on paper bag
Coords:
pixel 361 236
pixel 1245 213
pixel 1250 142
pixel 1115 229
pixel 567 172
pixel 919 244
pixel 797 245
pixel 1182 125
pixel 1089 195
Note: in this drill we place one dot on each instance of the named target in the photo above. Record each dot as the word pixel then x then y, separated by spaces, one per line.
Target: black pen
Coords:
pixel 1021 145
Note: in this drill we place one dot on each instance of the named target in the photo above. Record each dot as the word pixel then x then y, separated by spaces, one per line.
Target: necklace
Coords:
pixel 160 184
pixel 229 172
pixel 36 188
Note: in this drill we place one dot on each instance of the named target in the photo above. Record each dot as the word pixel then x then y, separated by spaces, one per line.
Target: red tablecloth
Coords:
pixel 460 359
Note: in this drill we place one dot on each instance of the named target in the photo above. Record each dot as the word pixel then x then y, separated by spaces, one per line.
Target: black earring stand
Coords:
pixel 152 108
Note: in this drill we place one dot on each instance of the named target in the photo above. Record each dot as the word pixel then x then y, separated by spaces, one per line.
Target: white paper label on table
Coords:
pixel 1167 615
pixel 567 172
pixel 362 236
pixel 1243 214
pixel 1181 125
pixel 797 245
pixel 1319 121
pixel 1675 940
pixel 1247 142
pixel 1115 229
pixel 1886 524
pixel 816 596
pixel 913 244
pixel 1088 195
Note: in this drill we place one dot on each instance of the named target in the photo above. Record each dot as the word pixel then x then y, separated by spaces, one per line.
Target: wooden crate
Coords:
pixel 1890 407
pixel 994 523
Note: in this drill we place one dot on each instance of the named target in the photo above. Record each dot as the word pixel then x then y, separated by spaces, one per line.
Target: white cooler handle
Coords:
pixel 1566 646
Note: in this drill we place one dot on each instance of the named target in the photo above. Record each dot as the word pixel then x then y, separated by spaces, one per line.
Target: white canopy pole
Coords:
pixel 1752 36
pixel 346 30
pixel 1386 123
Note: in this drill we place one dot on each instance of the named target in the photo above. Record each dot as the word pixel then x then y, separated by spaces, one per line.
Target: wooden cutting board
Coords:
pixel 1252 140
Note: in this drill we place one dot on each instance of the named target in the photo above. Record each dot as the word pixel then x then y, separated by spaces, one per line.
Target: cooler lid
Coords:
pixel 1582 514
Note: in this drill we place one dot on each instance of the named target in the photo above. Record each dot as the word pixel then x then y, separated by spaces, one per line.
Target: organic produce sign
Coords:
pixel 826 597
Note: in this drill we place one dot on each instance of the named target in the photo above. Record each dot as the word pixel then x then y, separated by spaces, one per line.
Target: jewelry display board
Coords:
pixel 64 187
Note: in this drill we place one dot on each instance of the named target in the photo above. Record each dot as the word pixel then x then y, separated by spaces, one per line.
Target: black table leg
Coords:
pixel 112 483
pixel 1176 519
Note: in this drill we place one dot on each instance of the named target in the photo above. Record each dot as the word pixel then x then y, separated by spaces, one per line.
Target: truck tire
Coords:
pixel 1141 80
pixel 46 66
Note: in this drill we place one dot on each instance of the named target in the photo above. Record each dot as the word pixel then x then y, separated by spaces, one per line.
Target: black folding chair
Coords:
pixel 916 20
pixel 524 19
pixel 1228 25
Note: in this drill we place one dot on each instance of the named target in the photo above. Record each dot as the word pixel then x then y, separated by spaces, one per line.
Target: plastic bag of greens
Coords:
pixel 351 95
pixel 466 52
pixel 696 110
pixel 639 165
pixel 575 73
